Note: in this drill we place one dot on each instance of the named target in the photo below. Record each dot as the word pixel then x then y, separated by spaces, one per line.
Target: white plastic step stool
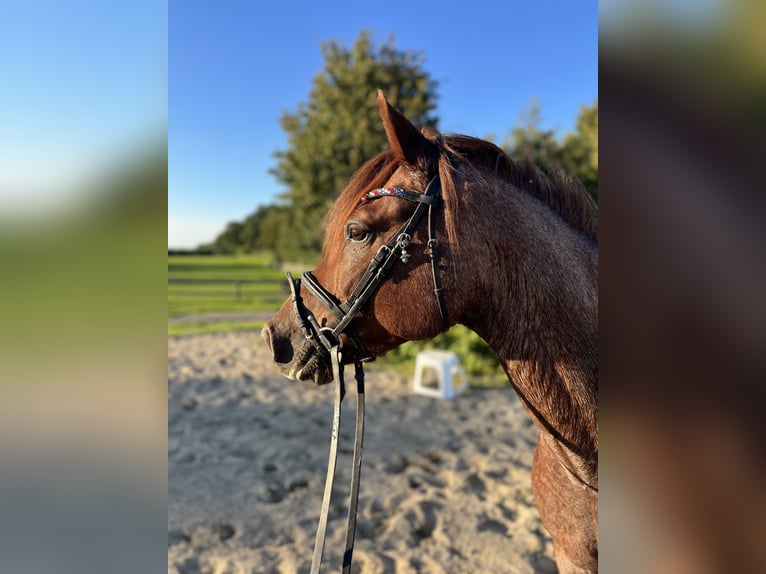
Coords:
pixel 435 374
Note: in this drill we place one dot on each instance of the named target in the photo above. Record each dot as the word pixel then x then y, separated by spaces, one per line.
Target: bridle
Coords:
pixel 324 343
pixel 377 271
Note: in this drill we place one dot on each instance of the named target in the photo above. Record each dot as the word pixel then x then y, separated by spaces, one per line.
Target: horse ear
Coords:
pixel 430 133
pixel 406 141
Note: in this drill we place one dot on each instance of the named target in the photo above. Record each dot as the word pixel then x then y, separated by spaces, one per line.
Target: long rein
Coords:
pixel 327 344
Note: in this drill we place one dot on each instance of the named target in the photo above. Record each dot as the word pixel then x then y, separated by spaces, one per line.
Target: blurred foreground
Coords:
pixel 83 196
pixel 683 92
pixel 82 365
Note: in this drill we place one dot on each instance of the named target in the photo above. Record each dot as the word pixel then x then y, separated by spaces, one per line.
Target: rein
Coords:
pixel 325 342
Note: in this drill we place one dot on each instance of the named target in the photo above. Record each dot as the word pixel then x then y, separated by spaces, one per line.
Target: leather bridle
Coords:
pixel 324 343
pixel 377 270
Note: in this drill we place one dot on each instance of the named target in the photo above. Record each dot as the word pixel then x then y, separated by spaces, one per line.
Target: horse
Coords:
pixel 510 250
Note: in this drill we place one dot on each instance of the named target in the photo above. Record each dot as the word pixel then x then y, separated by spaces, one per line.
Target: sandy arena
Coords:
pixel 445 484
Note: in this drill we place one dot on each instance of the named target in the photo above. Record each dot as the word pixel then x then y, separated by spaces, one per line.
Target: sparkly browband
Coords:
pixel 395 192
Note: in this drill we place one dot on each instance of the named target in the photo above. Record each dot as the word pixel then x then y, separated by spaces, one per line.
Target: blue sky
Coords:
pixel 235 66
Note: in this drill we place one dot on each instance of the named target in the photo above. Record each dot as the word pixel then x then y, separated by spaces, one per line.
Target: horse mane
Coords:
pixel 564 195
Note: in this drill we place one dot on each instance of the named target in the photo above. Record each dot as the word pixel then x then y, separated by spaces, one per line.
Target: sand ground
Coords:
pixel 445 484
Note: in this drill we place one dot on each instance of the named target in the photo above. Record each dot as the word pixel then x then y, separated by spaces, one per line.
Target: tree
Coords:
pixel 529 141
pixel 576 155
pixel 230 240
pixel 270 227
pixel 331 135
pixel 251 228
pixel 580 149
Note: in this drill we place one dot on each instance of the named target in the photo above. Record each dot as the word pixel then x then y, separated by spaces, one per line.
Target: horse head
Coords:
pixel 397 187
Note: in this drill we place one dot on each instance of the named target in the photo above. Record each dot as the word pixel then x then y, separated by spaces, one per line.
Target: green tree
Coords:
pixel 529 141
pixel 270 231
pixel 576 155
pixel 275 234
pixel 251 228
pixel 580 149
pixel 230 239
pixel 332 134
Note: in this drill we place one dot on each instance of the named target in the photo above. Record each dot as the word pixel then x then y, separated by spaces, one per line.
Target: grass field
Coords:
pixel 199 285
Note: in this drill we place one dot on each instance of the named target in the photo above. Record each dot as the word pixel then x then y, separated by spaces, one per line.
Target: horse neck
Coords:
pixel 538 310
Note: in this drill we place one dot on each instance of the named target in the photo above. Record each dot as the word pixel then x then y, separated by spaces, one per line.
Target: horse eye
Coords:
pixel 356 233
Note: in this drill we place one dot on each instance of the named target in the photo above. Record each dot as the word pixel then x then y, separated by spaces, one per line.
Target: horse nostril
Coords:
pixel 281 349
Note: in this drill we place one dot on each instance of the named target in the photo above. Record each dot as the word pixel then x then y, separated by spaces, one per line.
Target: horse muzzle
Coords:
pixel 294 357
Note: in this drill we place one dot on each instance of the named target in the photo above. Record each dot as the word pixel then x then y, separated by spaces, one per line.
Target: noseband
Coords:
pixel 325 342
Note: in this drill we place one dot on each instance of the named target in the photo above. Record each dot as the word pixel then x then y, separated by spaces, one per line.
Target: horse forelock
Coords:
pixel 373 174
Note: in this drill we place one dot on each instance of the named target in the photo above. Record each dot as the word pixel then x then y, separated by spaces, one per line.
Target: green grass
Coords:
pixel 222 284
pixel 195 328
pixel 479 361
pixel 217 283
pixel 179 305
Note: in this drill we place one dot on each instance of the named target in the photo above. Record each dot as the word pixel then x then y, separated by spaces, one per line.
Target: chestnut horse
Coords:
pixel 518 263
